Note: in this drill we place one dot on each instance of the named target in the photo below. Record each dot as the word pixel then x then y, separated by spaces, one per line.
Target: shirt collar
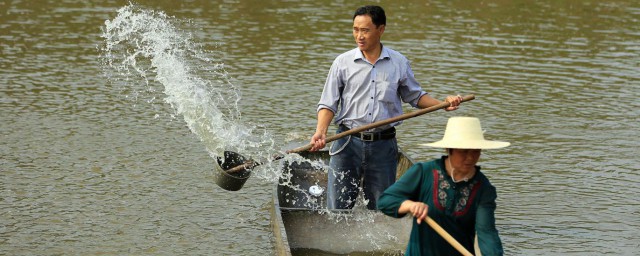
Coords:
pixel 384 54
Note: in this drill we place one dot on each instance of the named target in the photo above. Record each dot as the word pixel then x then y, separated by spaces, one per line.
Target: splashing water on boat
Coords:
pixel 145 53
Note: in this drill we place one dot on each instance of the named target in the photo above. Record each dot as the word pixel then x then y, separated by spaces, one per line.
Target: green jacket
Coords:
pixel 462 209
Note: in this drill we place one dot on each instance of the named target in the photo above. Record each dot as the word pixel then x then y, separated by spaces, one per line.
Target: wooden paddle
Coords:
pixel 452 241
pixel 444 104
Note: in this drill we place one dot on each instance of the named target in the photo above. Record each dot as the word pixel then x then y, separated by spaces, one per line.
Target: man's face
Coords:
pixel 366 34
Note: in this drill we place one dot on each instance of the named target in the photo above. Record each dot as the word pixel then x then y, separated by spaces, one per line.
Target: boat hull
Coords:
pixel 302 224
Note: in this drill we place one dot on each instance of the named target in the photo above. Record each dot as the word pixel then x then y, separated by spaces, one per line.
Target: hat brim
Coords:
pixel 468 144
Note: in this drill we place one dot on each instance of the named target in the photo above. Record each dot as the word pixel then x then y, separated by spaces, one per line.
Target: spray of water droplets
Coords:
pixel 146 53
pixel 148 57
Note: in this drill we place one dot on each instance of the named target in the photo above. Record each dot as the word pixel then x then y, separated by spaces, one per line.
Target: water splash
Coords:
pixel 145 52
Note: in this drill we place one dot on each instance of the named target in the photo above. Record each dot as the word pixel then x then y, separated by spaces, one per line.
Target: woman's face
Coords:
pixel 464 159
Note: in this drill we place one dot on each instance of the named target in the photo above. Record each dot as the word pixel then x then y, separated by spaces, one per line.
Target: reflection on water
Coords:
pixel 86 171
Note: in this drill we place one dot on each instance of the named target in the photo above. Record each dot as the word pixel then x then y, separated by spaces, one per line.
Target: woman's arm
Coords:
pixel 488 238
pixel 401 197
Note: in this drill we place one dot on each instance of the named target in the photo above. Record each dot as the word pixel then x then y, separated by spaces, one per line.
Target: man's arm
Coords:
pixel 428 101
pixel 324 119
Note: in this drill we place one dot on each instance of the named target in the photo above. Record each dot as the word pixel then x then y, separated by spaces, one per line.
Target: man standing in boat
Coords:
pixel 365 85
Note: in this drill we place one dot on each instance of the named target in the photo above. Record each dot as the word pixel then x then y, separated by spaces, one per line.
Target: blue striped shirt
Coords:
pixel 362 93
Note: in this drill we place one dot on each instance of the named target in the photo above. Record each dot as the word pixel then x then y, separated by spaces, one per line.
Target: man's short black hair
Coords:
pixel 375 12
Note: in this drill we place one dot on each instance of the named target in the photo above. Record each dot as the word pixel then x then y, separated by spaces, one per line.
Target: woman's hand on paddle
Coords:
pixel 454 101
pixel 419 210
pixel 319 141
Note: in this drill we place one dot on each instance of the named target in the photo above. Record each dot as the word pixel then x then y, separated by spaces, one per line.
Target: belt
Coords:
pixel 373 136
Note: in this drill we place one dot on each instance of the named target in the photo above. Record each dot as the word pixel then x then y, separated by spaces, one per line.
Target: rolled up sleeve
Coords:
pixel 331 93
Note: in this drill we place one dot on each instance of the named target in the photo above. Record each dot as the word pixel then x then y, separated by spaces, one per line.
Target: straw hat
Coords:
pixel 465 133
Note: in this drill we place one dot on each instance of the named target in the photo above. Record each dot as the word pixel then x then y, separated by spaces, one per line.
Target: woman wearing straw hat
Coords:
pixel 452 191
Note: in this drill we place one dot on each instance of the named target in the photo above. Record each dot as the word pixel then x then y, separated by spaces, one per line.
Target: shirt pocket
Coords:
pixel 387 91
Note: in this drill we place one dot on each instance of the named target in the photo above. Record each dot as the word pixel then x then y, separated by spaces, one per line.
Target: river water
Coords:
pixel 95 162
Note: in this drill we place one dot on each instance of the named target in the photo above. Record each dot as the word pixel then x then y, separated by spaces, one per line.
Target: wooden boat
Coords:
pixel 303 226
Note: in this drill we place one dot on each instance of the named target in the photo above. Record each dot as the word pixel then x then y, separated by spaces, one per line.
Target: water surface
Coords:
pixel 88 169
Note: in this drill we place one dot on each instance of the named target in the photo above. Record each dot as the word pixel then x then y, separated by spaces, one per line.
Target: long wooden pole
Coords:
pixel 448 237
pixel 444 104
pixel 413 114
